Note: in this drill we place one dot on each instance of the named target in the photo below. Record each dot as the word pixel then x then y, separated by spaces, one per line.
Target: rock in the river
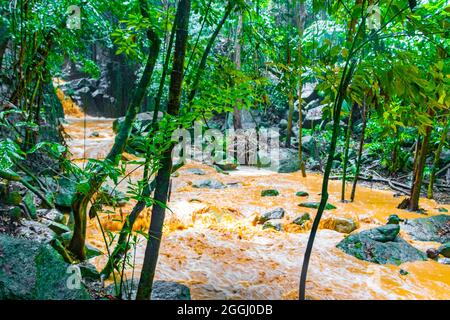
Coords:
pixel 31 270
pixel 302 219
pixel 278 213
pixel 162 290
pixel 381 245
pixel 229 166
pixel 394 219
pixel 315 205
pixel 208 184
pixel 273 224
pixel 344 225
pixel 445 250
pixel 302 194
pixel 432 253
pixel 198 172
pixel 435 229
pixel 270 193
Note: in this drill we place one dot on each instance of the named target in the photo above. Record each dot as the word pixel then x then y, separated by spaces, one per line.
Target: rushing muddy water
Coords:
pixel 211 244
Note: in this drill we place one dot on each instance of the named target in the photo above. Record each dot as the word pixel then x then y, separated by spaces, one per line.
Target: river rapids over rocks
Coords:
pixel 212 244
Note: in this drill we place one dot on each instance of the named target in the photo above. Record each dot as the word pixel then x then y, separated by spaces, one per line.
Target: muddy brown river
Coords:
pixel 211 244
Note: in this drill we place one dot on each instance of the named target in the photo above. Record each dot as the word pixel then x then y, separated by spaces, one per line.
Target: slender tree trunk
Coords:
pixel 345 80
pixel 418 175
pixel 360 151
pixel 237 116
pixel 82 200
pixel 163 176
pixel 164 75
pixel 346 152
pixel 300 17
pixel 437 160
pixel 201 67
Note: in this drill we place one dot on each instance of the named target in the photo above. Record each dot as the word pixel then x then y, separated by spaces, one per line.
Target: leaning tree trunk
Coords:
pixel 437 160
pixel 418 175
pixel 345 80
pixel 163 175
pixel 97 178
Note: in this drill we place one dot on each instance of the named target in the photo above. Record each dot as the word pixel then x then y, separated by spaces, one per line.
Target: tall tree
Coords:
pixel 163 175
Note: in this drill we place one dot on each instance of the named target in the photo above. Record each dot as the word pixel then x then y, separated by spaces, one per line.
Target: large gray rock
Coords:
pixel 288 161
pixel 381 245
pixel 162 290
pixel 436 228
pixel 31 270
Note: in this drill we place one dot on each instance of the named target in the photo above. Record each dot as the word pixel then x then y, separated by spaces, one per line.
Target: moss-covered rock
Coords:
pixel 315 205
pixel 435 229
pixel 56 227
pixel 273 224
pixel 381 245
pixel 270 193
pixel 302 219
pixel 34 271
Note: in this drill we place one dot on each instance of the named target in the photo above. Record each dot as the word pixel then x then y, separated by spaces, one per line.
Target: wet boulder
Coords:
pixel 344 225
pixel 394 219
pixel 278 213
pixel 208 184
pixel 270 193
pixel 273 224
pixel 381 245
pixel 198 172
pixel 226 166
pixel 302 219
pixel 302 194
pixel 434 229
pixel 30 270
